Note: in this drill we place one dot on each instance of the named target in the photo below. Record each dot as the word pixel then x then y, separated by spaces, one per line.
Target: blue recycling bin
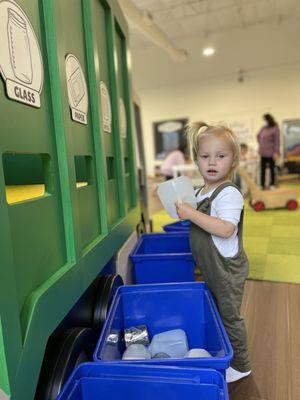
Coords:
pixel 178 226
pixel 161 258
pixel 163 307
pixel 122 382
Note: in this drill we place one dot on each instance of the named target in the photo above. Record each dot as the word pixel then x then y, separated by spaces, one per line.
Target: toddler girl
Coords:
pixel 216 233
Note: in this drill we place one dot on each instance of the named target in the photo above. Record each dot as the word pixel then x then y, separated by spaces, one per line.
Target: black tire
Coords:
pixel 107 287
pixel 64 353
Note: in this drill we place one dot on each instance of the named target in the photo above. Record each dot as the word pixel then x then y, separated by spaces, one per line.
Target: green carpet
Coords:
pixel 271 240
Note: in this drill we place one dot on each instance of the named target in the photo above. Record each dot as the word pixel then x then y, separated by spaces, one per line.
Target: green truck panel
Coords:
pixel 54 245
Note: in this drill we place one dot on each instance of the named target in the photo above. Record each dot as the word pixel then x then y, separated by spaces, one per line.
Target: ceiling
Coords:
pixel 247 35
pixel 183 18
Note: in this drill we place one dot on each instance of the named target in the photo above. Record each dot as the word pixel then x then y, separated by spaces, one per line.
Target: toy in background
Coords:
pixel 291 145
pixel 261 200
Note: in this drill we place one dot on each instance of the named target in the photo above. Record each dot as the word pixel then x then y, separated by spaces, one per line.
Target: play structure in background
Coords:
pixel 291 145
pixel 261 200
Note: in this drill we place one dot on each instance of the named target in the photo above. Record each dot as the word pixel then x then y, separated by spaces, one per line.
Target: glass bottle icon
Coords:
pixel 19 49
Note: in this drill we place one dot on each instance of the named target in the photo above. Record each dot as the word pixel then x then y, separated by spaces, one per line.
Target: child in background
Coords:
pixel 243 160
pixel 216 233
pixel 175 158
pixel 243 153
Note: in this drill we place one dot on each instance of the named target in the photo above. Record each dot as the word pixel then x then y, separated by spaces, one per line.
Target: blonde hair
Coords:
pixel 196 130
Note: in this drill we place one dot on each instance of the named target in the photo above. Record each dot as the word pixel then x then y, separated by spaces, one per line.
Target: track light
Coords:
pixel 208 51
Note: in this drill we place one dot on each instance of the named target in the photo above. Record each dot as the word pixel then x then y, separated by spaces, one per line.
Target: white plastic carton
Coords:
pixel 176 190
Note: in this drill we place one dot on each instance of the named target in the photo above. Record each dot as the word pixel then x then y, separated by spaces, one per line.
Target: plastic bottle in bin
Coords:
pixel 174 343
pixel 136 351
pixel 197 353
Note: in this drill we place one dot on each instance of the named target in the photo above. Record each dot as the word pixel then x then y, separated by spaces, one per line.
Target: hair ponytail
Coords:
pixel 193 131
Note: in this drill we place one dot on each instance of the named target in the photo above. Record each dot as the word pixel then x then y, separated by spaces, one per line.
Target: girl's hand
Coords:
pixel 184 210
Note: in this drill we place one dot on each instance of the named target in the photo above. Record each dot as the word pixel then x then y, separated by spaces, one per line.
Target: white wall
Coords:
pixel 275 90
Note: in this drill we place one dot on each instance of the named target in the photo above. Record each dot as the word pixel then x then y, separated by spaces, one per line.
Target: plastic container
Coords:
pixel 161 258
pixel 186 306
pixel 173 190
pixel 174 343
pixel 178 227
pixel 192 353
pixel 92 382
pixel 136 351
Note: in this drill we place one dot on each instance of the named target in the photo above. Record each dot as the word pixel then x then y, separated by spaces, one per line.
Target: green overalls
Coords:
pixel 225 277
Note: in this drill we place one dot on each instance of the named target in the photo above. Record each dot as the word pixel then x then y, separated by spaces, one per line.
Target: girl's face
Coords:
pixel 215 158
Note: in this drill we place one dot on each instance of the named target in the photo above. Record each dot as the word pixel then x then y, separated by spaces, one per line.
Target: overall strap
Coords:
pixel 221 187
pixel 199 190
pixel 240 224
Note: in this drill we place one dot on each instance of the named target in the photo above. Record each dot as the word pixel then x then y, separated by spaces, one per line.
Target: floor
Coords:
pixel 272 315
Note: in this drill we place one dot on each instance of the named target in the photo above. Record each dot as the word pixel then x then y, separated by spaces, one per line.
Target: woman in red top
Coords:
pixel 268 140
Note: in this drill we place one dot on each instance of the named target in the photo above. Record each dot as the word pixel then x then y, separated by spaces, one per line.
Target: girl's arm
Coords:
pixel 212 225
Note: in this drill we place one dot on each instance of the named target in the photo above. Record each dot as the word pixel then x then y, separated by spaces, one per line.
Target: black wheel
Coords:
pixel 107 287
pixel 64 352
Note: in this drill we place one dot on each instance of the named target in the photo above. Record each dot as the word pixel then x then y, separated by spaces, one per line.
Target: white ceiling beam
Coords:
pixel 143 21
pixel 206 11
pixel 223 29
pixel 238 10
pixel 278 15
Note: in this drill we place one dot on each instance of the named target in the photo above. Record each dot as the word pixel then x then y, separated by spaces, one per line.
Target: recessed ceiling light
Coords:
pixel 208 51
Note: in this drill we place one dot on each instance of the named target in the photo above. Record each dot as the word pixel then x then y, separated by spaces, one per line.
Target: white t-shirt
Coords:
pixel 227 206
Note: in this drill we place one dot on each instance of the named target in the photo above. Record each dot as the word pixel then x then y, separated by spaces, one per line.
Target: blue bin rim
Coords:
pixel 161 256
pixel 165 235
pixel 158 287
pixel 183 224
pixel 187 374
